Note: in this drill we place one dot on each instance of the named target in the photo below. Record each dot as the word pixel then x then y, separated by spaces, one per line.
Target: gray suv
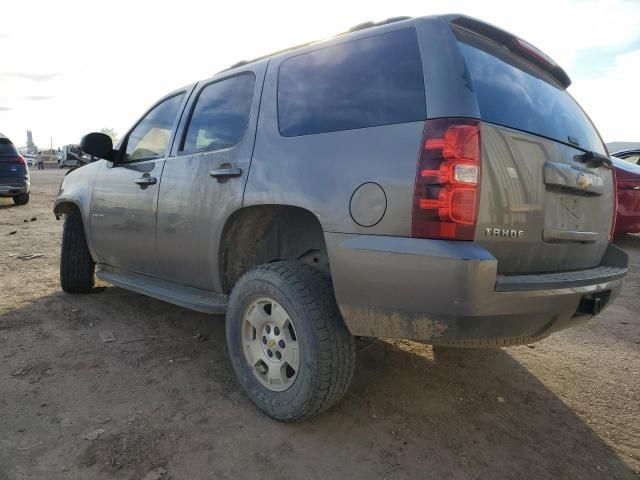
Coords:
pixel 425 178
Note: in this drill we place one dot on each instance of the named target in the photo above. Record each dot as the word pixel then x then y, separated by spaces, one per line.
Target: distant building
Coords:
pixel 31 147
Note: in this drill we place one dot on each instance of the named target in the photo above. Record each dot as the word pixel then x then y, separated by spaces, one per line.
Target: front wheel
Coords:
pixel 77 268
pixel 289 346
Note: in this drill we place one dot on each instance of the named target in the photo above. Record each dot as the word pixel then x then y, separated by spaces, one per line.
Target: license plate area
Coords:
pixel 573 198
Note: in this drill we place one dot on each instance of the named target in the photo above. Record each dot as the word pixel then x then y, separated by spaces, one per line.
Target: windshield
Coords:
pixel 514 93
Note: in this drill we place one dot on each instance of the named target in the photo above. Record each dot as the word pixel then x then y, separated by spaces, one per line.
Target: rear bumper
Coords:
pixel 447 292
pixel 13 186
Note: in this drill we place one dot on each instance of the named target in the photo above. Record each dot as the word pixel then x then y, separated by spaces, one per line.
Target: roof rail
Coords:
pixel 239 64
pixel 392 20
pixel 360 26
pixel 245 62
pixel 365 25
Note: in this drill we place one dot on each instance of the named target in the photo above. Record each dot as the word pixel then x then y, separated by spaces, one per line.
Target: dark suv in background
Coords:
pixel 425 178
pixel 14 173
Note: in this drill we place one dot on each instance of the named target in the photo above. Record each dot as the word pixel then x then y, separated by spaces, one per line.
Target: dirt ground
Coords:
pixel 160 401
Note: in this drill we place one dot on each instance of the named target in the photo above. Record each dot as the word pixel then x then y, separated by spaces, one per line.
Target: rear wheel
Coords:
pixel 77 268
pixel 289 346
pixel 21 199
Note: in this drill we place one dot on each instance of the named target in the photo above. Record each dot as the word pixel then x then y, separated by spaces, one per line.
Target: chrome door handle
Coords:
pixel 222 173
pixel 146 181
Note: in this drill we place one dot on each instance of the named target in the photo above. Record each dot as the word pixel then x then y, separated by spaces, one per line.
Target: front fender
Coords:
pixel 75 192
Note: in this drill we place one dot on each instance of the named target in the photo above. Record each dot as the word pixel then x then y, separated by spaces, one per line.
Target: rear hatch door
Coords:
pixel 547 192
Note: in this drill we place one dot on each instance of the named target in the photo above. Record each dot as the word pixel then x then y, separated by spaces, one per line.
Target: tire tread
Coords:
pixel 77 268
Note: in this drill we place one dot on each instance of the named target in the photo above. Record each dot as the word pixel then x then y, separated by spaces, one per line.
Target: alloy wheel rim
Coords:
pixel 270 344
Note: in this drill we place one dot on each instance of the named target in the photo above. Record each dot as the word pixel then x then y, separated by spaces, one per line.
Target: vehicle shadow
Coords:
pixel 474 413
pixel 168 391
pixel 631 240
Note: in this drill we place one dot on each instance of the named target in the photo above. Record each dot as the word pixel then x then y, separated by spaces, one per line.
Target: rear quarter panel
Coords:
pixel 321 172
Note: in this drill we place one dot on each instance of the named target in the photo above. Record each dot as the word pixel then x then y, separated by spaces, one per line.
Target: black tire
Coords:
pixel 21 199
pixel 77 268
pixel 327 349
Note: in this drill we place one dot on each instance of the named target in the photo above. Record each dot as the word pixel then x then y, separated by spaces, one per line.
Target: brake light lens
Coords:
pixel 21 160
pixel 537 54
pixel 447 188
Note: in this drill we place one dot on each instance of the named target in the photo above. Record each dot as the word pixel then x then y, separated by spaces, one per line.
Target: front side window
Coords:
pixel 371 81
pixel 150 138
pixel 221 115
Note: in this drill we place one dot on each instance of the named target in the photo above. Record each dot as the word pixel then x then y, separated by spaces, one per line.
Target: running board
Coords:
pixel 188 297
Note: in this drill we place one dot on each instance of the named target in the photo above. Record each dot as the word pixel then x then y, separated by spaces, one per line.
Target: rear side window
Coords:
pixel 221 114
pixel 368 82
pixel 516 95
pixel 7 148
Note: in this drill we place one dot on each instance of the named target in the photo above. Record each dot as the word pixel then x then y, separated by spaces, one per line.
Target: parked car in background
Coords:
pixel 14 173
pixel 630 156
pixel 71 156
pixel 30 159
pixel 424 178
pixel 628 186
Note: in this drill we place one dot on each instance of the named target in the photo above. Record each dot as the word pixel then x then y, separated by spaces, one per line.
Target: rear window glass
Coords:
pixel 368 82
pixel 523 98
pixel 6 147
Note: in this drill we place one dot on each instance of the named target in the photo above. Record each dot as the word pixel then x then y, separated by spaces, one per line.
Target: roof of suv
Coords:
pixel 355 28
pixel 478 27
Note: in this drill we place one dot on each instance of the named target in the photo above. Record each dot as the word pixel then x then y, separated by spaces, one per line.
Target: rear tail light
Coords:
pixel 447 188
pixel 21 160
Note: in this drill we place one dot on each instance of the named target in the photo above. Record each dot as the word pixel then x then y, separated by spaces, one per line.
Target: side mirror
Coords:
pixel 98 145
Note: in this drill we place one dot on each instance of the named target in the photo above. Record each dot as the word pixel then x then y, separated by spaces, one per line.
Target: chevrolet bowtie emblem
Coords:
pixel 584 180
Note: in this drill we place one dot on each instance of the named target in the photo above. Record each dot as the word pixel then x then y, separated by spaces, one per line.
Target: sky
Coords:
pixel 71 67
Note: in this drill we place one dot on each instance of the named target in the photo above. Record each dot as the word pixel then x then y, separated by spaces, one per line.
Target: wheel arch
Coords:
pixel 259 234
pixel 64 206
